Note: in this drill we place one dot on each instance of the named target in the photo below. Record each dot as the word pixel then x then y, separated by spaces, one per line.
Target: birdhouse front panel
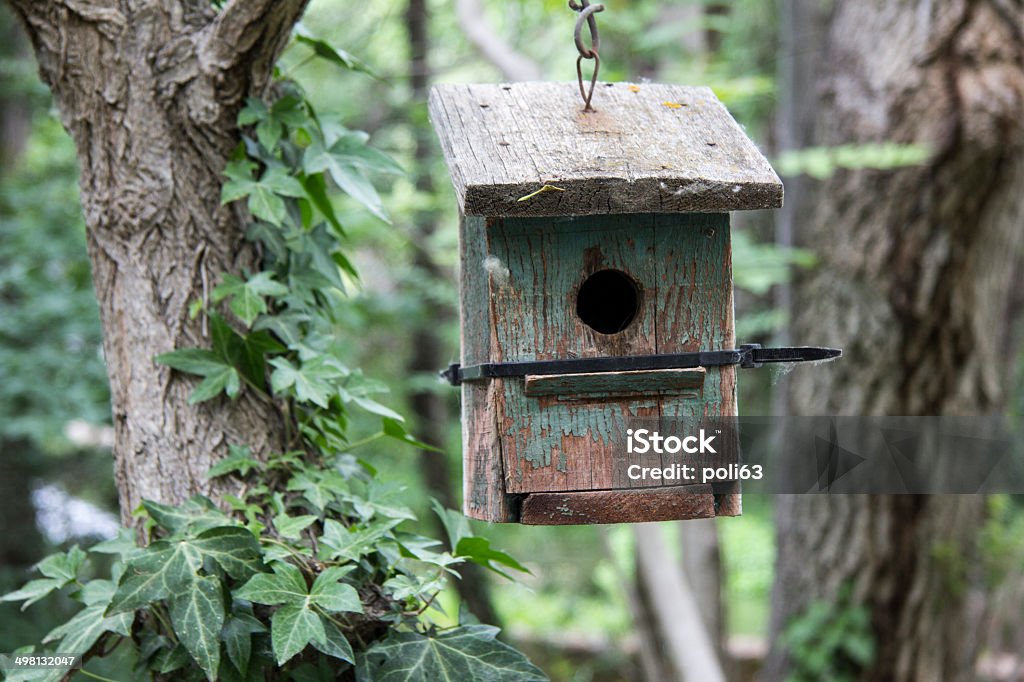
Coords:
pixel 603 286
pixel 588 241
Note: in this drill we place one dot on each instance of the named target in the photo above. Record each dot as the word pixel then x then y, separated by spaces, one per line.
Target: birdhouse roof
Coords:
pixel 528 149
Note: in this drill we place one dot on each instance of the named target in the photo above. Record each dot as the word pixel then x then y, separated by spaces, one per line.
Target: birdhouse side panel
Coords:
pixel 484 495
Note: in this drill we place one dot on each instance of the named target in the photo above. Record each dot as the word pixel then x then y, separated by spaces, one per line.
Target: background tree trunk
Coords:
pixel 430 409
pixel 15 105
pixel 19 460
pixel 702 570
pixel 685 650
pixel 917 266
pixel 149 91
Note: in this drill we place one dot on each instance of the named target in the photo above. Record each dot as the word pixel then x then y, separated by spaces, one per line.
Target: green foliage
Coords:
pixel 468 653
pixel 311 570
pixel 830 640
pixel 822 163
pixel 1001 548
pixel 50 357
pixel 758 266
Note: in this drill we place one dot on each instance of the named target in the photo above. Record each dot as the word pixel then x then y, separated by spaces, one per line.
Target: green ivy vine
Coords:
pixel 309 573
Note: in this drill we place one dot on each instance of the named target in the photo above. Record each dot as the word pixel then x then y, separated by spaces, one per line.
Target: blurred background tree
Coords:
pixel 583 615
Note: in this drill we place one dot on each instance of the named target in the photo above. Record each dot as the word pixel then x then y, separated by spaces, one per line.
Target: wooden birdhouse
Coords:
pixel 595 265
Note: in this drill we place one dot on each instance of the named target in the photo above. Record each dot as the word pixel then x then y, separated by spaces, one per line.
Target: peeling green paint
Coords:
pixel 682 264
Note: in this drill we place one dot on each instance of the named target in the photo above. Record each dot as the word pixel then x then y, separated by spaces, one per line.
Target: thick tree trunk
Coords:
pixel 917 266
pixel 149 91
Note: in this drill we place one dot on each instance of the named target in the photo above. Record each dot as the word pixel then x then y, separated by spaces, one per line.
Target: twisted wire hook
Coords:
pixel 586 13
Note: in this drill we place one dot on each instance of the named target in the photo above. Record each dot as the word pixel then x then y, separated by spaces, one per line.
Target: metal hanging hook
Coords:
pixel 586 13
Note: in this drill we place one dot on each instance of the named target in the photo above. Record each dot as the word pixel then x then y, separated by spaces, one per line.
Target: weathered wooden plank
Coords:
pixel 647 149
pixel 619 506
pixel 699 315
pixel 606 385
pixel 484 495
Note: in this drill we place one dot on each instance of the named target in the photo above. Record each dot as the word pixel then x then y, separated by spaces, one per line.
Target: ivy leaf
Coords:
pixel 284 586
pixel 265 195
pixel 192 361
pixel 456 525
pixel 163 570
pixel 383 499
pixel 233 548
pixel 316 190
pixel 123 545
pixel 33 591
pixel 306 383
pixel 278 180
pixel 372 406
pixel 247 295
pixel 479 551
pixel 394 428
pixel 332 54
pixel 292 627
pixel 197 613
pixel 79 634
pixel 352 148
pixel 97 592
pixel 335 643
pixel 339 542
pixel 290 527
pixel 219 375
pixel 197 513
pixel 465 545
pixel 469 652
pixel 346 171
pixel 254 111
pixel 168 568
pixel 237 636
pixel 225 379
pixel 239 460
pixel 334 596
pixel 171 659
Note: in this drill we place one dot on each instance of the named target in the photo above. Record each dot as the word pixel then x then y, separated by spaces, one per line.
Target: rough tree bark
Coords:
pixel 431 410
pixel 915 280
pixel 149 91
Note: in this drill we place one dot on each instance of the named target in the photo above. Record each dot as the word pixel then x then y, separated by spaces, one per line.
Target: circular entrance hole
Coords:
pixel 608 301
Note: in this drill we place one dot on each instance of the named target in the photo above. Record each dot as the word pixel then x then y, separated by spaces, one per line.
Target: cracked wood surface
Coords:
pixel 646 149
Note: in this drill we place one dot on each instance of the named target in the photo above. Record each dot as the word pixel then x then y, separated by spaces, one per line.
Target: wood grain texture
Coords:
pixel 483 480
pixel 605 385
pixel 619 506
pixel 658 149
